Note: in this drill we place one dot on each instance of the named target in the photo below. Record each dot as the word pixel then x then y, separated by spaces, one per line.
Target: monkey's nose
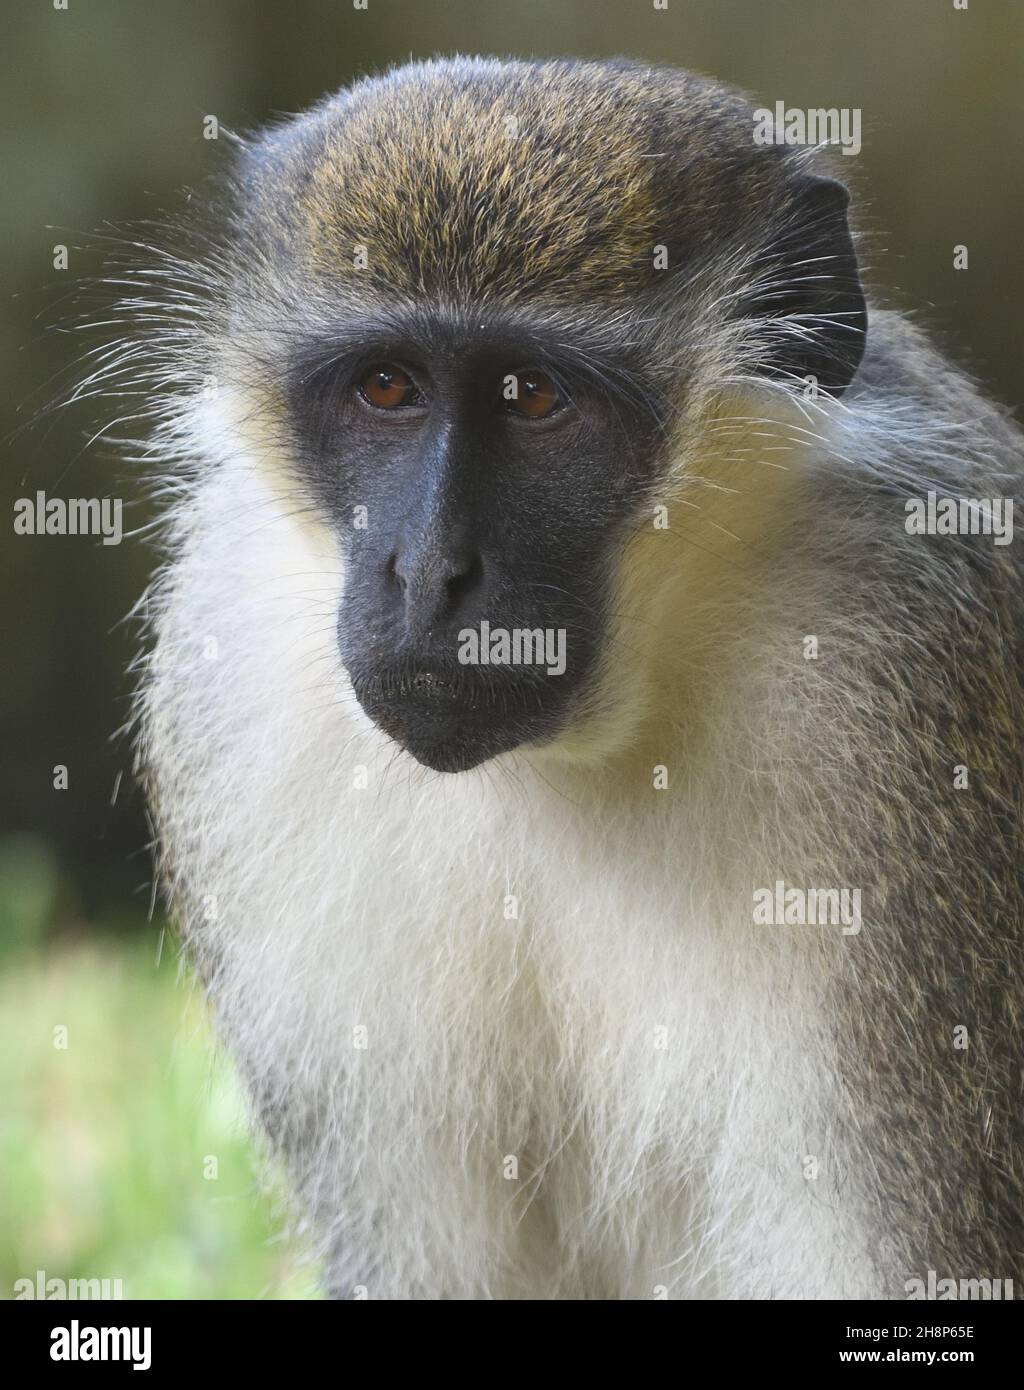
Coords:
pixel 435 585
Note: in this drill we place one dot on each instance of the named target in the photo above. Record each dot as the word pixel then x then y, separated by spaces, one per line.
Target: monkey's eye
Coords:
pixel 534 395
pixel 388 387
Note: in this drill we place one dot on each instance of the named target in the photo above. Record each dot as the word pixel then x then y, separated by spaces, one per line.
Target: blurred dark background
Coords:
pixel 105 103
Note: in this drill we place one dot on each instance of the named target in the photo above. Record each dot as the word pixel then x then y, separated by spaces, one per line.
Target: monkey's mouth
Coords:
pixel 451 721
pixel 428 684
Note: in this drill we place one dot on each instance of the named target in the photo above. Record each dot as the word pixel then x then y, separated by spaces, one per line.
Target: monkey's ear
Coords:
pixel 809 293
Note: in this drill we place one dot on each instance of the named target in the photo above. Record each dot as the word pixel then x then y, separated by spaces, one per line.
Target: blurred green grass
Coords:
pixel 105 1144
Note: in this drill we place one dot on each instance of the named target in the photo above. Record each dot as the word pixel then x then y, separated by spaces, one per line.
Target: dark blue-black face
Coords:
pixel 477 472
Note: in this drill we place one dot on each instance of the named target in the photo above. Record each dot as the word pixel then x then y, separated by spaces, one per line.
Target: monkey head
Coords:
pixel 479 302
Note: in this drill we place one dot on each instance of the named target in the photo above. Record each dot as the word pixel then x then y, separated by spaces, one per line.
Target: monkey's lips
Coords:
pixel 452 721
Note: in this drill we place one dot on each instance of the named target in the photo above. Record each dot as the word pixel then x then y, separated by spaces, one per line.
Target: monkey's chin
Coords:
pixel 446 728
pixel 451 757
pixel 451 721
pixel 448 744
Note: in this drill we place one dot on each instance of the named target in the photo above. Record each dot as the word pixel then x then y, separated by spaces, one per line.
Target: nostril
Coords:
pixel 391 573
pixel 468 578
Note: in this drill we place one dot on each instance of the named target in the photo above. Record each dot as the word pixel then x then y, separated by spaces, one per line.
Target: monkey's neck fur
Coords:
pixel 516 1031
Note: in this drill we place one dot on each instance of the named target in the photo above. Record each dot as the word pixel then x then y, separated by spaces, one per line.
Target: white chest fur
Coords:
pixel 518 1028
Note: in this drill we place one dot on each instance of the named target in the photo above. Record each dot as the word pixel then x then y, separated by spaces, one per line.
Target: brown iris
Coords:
pixel 387 387
pixel 536 395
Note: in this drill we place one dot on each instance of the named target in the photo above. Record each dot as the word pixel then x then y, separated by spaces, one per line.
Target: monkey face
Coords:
pixel 487 316
pixel 478 474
